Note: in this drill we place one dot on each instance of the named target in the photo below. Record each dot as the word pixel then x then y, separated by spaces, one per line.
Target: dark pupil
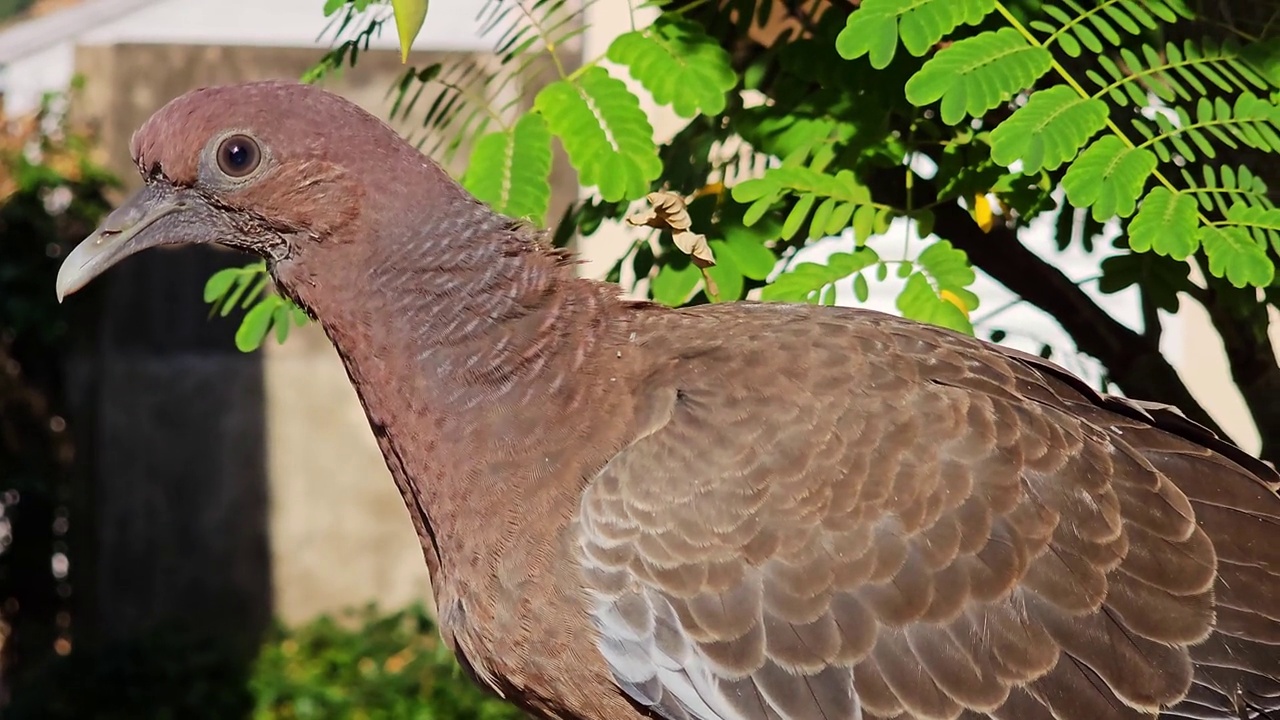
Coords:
pixel 238 155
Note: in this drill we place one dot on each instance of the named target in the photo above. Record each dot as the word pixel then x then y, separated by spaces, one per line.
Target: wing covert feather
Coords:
pixel 889 521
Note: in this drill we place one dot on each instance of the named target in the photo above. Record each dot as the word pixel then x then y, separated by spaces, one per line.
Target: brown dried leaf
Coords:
pixel 668 211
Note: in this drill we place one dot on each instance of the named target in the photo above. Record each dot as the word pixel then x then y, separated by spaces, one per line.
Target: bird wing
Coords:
pixel 869 518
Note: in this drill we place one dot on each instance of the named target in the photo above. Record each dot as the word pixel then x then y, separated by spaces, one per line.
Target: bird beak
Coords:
pixel 128 229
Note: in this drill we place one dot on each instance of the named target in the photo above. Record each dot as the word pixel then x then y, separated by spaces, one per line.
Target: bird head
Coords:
pixel 274 168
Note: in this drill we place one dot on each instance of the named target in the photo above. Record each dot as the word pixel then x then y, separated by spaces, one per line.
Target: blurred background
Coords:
pixel 190 531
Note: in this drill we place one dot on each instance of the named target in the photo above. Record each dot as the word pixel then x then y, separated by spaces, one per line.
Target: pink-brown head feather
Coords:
pixel 330 174
pixel 301 185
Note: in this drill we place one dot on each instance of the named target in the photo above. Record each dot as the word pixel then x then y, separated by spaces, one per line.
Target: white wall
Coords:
pixel 280 23
pixel 25 81
pixel 43 49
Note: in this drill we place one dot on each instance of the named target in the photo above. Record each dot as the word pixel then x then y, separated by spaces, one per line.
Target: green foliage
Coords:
pixel 409 15
pixel 679 64
pixel 1108 177
pixel 1235 255
pixel 975 74
pixel 1164 224
pixel 978 73
pixel 367 665
pixel 1011 99
pixel 362 664
pixel 508 169
pixel 246 287
pixel 604 131
pixel 875 29
pixel 815 282
pixel 1049 130
pixel 12 8
pixel 353 30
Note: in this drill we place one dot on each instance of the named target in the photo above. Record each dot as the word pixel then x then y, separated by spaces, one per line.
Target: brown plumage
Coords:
pixel 742 511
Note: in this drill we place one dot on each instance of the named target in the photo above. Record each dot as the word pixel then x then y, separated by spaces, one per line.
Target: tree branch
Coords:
pixel 1242 323
pixel 1134 362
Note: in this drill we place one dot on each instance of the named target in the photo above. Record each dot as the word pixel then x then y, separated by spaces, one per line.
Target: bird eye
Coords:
pixel 238 156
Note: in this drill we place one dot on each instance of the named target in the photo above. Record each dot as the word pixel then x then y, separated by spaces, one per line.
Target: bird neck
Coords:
pixel 466 345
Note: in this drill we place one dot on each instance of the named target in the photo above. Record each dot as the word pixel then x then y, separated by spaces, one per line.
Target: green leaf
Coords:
pixel 844 186
pixel 950 269
pixel 749 254
pixel 1166 223
pixel 1049 130
pixel 243 288
pixel 802 281
pixel 409 15
pixel 799 213
pixel 919 301
pixel 1236 256
pixel 874 28
pixel 725 274
pixel 511 169
pixel 280 319
pixel 1261 222
pixel 679 64
pixel 256 324
pixel 978 73
pixel 864 220
pixel 1264 57
pixel 605 133
pixel 674 282
pixel 1109 177
pixel 219 283
pixel 861 290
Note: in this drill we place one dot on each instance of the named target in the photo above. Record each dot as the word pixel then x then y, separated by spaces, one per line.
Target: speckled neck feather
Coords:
pixel 464 326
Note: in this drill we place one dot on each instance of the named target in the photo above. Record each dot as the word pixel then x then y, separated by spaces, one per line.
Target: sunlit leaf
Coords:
pixel 679 64
pixel 919 301
pixel 675 282
pixel 409 16
pixel 802 281
pixel 1049 130
pixel 511 169
pixel 1109 177
pixel 604 131
pixel 1166 224
pixel 978 73
pixel 1236 256
pixel 874 28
